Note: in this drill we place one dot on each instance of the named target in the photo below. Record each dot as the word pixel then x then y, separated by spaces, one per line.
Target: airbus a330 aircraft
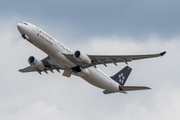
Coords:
pixel 77 63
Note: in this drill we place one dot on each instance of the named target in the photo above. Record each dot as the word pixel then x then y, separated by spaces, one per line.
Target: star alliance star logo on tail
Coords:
pixel 121 78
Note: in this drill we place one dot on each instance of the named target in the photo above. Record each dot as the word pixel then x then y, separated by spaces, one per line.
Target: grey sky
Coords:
pixel 137 19
pixel 119 27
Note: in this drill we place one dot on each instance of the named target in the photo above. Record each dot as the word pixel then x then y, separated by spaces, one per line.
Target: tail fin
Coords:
pixel 122 75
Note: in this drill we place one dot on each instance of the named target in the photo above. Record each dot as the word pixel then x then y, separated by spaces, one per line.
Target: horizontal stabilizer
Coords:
pixel 109 92
pixel 132 88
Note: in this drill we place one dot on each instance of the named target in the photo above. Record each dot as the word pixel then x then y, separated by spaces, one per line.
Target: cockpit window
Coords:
pixel 24 23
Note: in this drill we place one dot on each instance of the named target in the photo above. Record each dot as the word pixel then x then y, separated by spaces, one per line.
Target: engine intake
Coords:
pixel 36 63
pixel 81 57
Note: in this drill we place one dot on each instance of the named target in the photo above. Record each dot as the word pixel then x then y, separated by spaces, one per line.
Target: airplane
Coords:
pixel 59 57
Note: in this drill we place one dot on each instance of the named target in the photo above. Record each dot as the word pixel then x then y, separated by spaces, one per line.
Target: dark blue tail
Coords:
pixel 122 75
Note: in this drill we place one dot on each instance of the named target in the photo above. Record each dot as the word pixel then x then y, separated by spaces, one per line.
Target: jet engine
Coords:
pixel 36 63
pixel 81 57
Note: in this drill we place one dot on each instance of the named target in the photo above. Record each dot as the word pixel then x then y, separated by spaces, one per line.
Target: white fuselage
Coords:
pixel 54 50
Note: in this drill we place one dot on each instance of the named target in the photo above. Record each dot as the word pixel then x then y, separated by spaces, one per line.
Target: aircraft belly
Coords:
pixel 100 80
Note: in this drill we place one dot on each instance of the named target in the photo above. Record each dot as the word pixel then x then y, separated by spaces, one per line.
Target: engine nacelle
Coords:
pixel 81 57
pixel 36 63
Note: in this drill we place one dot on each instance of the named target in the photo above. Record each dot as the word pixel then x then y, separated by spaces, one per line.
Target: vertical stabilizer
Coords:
pixel 122 75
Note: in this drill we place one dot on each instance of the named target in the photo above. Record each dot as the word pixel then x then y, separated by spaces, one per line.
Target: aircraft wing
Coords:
pixel 48 63
pixel 105 59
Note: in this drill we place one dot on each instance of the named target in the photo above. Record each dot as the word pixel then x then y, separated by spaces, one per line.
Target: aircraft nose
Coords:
pixel 19 26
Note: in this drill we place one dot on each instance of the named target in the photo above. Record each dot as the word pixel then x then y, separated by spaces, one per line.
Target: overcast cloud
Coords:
pixel 95 27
